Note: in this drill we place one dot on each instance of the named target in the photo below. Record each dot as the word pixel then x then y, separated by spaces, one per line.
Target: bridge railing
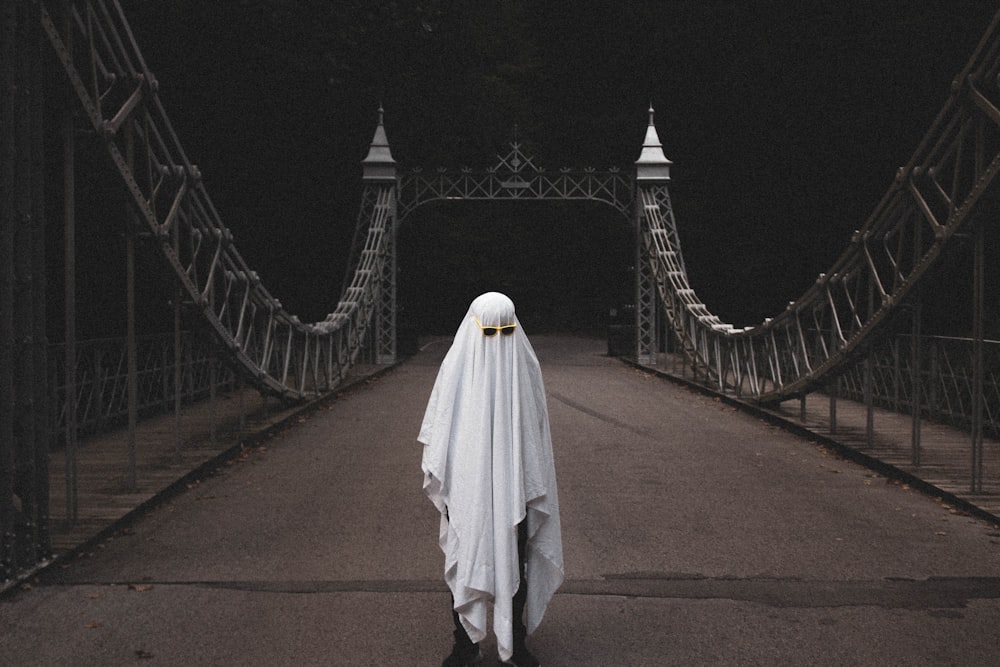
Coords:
pixel 165 375
pixel 942 389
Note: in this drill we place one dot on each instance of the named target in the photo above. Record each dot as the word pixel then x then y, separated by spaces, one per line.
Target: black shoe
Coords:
pixel 522 658
pixel 463 656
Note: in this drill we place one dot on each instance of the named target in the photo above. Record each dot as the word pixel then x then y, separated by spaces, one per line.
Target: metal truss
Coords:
pixel 365 297
pixel 515 176
pixel 118 93
pixel 940 192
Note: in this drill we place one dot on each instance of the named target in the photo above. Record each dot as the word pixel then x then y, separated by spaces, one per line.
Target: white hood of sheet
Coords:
pixel 487 463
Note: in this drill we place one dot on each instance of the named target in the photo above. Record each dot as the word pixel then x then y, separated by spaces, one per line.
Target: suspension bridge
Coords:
pixel 857 336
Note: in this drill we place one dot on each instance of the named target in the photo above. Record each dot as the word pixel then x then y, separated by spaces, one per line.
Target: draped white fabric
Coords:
pixel 488 465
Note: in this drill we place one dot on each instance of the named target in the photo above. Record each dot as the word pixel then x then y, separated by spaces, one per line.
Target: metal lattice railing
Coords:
pixel 101 391
pixel 945 380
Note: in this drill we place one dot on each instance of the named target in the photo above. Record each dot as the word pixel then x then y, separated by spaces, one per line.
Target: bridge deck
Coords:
pixel 945 462
pixel 694 533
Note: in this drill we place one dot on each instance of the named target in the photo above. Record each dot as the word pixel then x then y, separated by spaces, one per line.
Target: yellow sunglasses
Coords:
pixel 505 330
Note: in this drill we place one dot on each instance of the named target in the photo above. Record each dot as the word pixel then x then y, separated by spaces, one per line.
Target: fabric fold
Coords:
pixel 488 466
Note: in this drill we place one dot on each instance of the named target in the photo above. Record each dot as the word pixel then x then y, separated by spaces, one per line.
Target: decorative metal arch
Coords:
pixel 515 176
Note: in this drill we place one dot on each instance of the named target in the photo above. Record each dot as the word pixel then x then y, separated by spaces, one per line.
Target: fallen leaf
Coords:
pixel 140 588
pixel 93 625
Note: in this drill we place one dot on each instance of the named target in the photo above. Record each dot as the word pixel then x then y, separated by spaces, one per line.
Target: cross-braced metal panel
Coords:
pixel 117 91
pixel 385 320
pixel 613 188
pixel 515 177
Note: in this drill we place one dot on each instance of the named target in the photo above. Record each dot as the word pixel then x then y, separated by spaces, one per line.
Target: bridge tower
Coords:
pixel 652 174
pixel 379 179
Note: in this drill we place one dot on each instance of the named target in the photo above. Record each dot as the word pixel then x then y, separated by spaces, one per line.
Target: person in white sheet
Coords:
pixel 488 469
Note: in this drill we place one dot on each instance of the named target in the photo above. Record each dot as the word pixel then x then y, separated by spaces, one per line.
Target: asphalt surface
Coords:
pixel 694 534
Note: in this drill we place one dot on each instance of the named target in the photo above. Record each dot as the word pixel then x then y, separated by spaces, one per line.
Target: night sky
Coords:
pixel 785 122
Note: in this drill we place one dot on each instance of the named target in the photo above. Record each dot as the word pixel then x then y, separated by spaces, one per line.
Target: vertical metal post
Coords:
pixel 895 374
pixel 835 385
pixel 8 136
pixel 40 465
pixel 243 406
pixel 212 391
pixel 978 270
pixel 24 435
pixel 916 355
pixel 178 361
pixel 934 382
pixel 26 283
pixel 164 375
pixel 869 401
pixel 916 390
pixel 178 358
pixel 69 285
pixel 869 379
pixel 133 382
pixel 834 391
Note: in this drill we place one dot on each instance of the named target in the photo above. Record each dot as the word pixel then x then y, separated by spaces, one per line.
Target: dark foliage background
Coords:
pixel 785 121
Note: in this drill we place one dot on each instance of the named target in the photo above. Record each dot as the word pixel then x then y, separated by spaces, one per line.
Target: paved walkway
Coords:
pixel 695 534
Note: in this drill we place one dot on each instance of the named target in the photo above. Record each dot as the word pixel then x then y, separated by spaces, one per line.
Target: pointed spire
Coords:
pixel 379 165
pixel 652 164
